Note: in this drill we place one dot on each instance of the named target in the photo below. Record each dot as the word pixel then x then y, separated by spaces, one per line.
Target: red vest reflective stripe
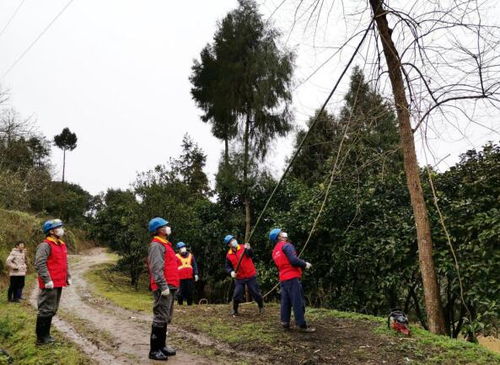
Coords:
pixel 246 269
pixel 185 266
pixel 170 271
pixel 57 263
pixel 287 271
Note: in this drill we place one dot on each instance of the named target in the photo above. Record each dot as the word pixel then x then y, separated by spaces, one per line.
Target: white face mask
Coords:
pixel 234 243
pixel 284 236
pixel 168 230
pixel 59 232
pixel 183 250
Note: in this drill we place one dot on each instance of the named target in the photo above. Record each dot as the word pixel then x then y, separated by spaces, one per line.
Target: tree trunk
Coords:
pixel 432 297
pixel 226 152
pixel 64 164
pixel 246 159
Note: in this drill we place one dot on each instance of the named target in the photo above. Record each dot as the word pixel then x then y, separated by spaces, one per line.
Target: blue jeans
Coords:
pixel 292 296
pixel 253 288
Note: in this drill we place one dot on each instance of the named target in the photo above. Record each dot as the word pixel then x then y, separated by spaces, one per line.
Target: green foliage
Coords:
pixel 20 226
pixel 66 140
pixel 17 337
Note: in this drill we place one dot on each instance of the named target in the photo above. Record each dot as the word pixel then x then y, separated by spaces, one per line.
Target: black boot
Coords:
pixel 234 312
pixel 155 344
pixel 260 303
pixel 43 330
pixel 167 350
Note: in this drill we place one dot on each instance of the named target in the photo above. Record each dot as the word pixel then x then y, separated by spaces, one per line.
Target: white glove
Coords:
pixel 69 282
pixel 49 285
pixel 247 245
pixel 308 265
pixel 196 278
pixel 165 293
pixel 233 274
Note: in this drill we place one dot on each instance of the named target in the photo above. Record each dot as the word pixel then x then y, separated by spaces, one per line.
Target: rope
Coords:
pixel 313 124
pixel 299 148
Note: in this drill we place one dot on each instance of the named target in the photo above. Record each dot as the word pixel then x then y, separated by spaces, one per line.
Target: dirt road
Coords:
pixel 106 333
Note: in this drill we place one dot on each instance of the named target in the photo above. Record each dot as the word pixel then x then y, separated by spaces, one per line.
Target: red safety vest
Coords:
pixel 57 263
pixel 170 271
pixel 287 271
pixel 185 266
pixel 246 269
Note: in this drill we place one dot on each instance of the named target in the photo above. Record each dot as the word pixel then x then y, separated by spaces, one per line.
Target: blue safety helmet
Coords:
pixel 273 235
pixel 51 224
pixel 156 223
pixel 180 244
pixel 228 238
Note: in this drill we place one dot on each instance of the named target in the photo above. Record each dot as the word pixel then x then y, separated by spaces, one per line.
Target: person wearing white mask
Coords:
pixel 188 274
pixel 51 263
pixel 239 265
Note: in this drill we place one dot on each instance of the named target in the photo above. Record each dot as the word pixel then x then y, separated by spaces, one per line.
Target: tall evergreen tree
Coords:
pixel 242 83
pixel 67 142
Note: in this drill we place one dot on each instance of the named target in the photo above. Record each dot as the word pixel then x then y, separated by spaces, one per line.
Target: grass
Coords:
pixel 17 338
pixel 25 227
pixel 422 347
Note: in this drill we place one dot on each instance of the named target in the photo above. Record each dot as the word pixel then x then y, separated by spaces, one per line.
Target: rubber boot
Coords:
pixel 167 350
pixel 43 330
pixel 234 312
pixel 155 344
pixel 49 326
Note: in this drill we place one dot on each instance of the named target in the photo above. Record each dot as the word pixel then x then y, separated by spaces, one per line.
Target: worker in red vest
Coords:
pixel 290 272
pixel 163 281
pixel 245 274
pixel 51 263
pixel 188 274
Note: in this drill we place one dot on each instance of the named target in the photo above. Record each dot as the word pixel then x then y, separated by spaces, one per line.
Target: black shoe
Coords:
pixel 307 329
pixel 156 344
pixel 167 350
pixel 285 325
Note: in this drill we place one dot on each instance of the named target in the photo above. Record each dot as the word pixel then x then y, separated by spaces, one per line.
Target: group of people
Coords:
pixel 165 280
pixel 171 275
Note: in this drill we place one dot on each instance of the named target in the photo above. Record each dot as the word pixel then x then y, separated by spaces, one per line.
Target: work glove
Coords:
pixel 69 282
pixel 247 245
pixel 196 278
pixel 49 285
pixel 165 293
pixel 308 265
pixel 233 274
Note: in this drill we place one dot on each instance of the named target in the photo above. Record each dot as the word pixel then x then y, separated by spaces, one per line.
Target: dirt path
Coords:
pixel 107 334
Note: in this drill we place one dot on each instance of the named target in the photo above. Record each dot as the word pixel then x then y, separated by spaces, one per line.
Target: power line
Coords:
pixel 37 38
pixel 12 17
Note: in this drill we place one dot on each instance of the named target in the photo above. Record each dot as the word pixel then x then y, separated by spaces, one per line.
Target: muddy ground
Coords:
pixel 207 334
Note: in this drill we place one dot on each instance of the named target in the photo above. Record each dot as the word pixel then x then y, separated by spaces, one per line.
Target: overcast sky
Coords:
pixel 116 73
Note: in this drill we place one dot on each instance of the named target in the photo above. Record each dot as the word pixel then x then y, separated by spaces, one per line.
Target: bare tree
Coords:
pixel 441 61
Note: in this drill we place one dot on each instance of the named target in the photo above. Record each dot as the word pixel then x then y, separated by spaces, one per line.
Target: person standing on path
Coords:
pixel 164 282
pixel 188 274
pixel 290 272
pixel 51 263
pixel 16 262
pixel 245 274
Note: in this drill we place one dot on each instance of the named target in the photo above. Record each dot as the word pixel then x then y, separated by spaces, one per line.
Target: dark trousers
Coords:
pixel 292 296
pixel 253 288
pixel 48 302
pixel 16 286
pixel 163 308
pixel 186 291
